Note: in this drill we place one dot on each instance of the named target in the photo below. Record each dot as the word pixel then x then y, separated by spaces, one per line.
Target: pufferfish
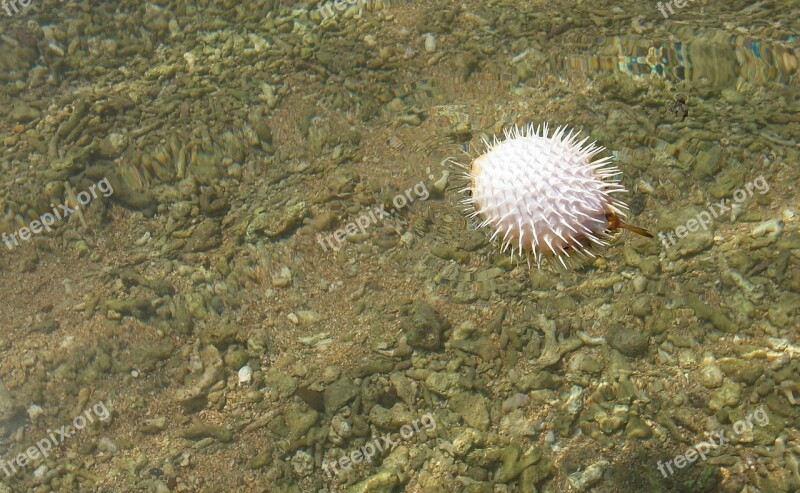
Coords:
pixel 544 196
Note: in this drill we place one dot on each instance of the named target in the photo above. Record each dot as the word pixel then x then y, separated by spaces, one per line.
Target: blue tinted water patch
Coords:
pixel 713 56
pixel 678 47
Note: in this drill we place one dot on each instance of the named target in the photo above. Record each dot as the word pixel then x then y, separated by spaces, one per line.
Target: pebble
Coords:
pixel 430 43
pixel 34 412
pixel 106 445
pixel 440 185
pixel 582 480
pixel 309 317
pixel 245 374
pixel 733 97
pixel 516 401
pixel 711 377
pixel 640 284
pixel 772 228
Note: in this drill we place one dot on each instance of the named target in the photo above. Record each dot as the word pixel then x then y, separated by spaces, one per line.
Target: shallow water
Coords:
pixel 235 254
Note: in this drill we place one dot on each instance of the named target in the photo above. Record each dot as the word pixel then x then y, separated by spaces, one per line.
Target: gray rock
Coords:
pixel 473 408
pixel 741 371
pixel 158 486
pixel 235 357
pixel 284 385
pixel 424 327
pixel 711 377
pixel 339 393
pixel 152 426
pixel 733 96
pixel 482 346
pixel 686 232
pixel 299 419
pixel 146 355
pixel 630 342
pixel 205 236
pixel 513 462
pixel 106 445
pixel 390 419
pixel 382 482
pixel 200 431
pixel 275 223
pixel 196 396
pixel 8 406
pixel 21 112
pixel 583 480
pixel 443 383
pixel 713 314
pixel 728 395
